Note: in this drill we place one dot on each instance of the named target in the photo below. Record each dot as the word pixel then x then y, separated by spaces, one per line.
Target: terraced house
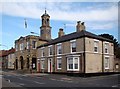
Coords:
pixel 77 52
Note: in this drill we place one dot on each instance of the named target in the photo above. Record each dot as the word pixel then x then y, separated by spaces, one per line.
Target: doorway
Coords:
pixel 34 61
pixel 50 67
pixel 21 62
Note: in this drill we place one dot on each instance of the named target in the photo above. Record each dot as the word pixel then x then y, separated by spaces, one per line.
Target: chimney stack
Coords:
pixel 80 26
pixel 61 32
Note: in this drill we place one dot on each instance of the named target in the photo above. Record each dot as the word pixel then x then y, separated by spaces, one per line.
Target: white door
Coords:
pixel 50 63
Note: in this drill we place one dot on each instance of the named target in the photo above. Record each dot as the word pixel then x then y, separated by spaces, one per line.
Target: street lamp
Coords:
pixel 34 33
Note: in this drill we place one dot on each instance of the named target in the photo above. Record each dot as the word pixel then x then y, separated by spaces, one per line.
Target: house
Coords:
pixel 11 58
pixel 77 52
pixel 4 59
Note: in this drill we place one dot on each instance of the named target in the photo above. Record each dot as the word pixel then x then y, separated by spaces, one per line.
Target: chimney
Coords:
pixel 60 33
pixel 80 26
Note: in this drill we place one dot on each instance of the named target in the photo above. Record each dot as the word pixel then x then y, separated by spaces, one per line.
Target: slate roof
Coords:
pixel 75 35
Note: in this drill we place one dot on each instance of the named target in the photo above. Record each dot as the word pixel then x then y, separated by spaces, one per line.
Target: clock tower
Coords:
pixel 45 29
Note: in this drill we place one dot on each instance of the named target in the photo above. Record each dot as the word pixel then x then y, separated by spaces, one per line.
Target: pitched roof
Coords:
pixel 75 35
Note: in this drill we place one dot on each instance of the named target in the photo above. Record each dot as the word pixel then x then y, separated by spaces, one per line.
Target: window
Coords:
pixel 42 52
pixel 27 45
pixel 106 47
pixel 95 46
pixel 50 50
pixel 106 62
pixel 59 49
pixel 73 46
pixel 34 44
pixel 59 63
pixel 16 47
pixel 73 63
pixel 42 64
pixel 21 46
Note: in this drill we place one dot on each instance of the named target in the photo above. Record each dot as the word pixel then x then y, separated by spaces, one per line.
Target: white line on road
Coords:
pixel 38 82
pixel 21 78
pixel 115 86
pixel 53 79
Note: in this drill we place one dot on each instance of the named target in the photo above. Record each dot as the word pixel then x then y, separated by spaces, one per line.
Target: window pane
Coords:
pixel 95 46
pixel 59 62
pixel 76 63
pixel 59 49
pixel 106 62
pixel 73 46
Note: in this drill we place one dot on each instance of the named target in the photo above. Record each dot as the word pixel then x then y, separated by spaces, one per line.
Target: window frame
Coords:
pixel 59 44
pixel 34 44
pixel 108 62
pixel 73 64
pixel 106 46
pixel 50 48
pixel 71 46
pixel 59 63
pixel 96 45
pixel 42 51
pixel 42 63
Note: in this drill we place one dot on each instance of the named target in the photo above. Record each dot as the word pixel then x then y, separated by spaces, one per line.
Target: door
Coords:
pixel 50 67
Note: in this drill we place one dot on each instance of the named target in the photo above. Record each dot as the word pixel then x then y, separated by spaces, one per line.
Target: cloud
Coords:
pixel 60 11
pixel 104 26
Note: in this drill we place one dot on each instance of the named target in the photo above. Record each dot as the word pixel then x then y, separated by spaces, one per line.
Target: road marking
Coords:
pixel 38 82
pixel 21 84
pixel 21 78
pixel 115 86
pixel 53 79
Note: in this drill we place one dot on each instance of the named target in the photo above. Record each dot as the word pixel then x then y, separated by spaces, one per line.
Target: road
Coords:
pixel 55 80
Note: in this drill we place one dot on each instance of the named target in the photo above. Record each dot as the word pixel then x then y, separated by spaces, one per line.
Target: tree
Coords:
pixel 116 44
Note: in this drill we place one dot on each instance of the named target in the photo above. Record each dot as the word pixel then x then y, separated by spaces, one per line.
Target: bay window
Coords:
pixel 73 63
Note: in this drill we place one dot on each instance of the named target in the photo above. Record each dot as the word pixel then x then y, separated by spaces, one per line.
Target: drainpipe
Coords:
pixel 102 58
pixel 84 56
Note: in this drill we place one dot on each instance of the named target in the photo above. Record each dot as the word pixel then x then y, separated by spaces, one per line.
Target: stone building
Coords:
pixel 25 54
pixel 77 52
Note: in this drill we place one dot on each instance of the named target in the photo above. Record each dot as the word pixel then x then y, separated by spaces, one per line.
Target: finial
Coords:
pixel 45 10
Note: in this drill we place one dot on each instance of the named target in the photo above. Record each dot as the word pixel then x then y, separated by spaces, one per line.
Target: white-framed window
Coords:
pixel 59 62
pixel 33 44
pixel 21 46
pixel 50 50
pixel 42 64
pixel 42 52
pixel 106 48
pixel 73 63
pixel 73 46
pixel 96 44
pixel 59 48
pixel 16 47
pixel 28 45
pixel 106 62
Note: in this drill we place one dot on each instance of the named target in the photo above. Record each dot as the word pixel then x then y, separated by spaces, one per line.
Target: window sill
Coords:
pixel 72 69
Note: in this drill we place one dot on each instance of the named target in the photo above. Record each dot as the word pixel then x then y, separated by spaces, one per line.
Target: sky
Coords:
pixel 100 17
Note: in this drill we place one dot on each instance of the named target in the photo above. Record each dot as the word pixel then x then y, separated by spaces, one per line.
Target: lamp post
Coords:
pixel 34 33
